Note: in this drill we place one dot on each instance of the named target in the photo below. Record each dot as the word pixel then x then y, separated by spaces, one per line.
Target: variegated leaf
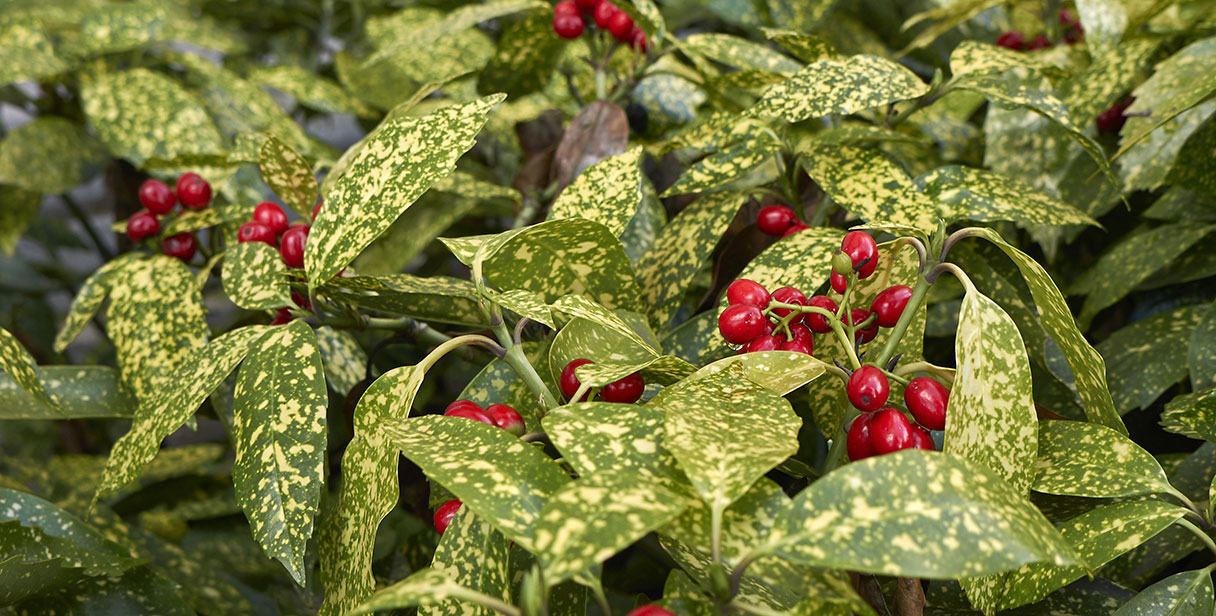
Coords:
pixel 916 513
pixel 289 176
pixel 49 155
pixel 163 411
pixel 254 277
pixel 1149 163
pixel 1179 83
pixel 389 173
pixel 690 339
pixel 30 54
pixel 475 556
pixel 1083 459
pixel 1108 78
pixel 279 429
pixel 344 360
pixel 596 437
pixel 1104 22
pixel 310 89
pixel 979 57
pixel 1182 594
pixel 805 47
pixel 193 220
pixel 781 372
pixel 740 53
pixel 34 530
pixel 608 192
pixel 453 22
pixel 977 194
pixel 498 383
pixel 437 298
pixel 82 392
pixel 1192 415
pixel 871 185
pixel 526 304
pixel 842 86
pixel 947 17
pixel 722 168
pixel 20 209
pixel 526 56
pixel 23 370
pixel 424 588
pixel 1142 359
pixel 412 232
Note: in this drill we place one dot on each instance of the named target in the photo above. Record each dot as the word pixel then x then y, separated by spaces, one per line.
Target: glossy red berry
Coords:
pixel 796 346
pixel 568 26
pixel 817 322
pixel 800 333
pixel 568 381
pixel 927 399
pixel 468 410
pixel 282 316
pixel 890 304
pixel 566 7
pixel 506 418
pixel 1039 42
pixel 292 244
pixel 638 40
pixel 890 431
pixel 445 513
pixel 603 13
pixel 1112 119
pixel 272 216
pixel 741 324
pixel 621 26
pixel 301 300
pixel 141 225
pixel 254 231
pixel 650 610
pixel 1011 39
pixel 767 342
pixel 181 246
pixel 858 442
pixel 193 191
pixel 157 197
pixel 775 219
pixel 625 391
pixel 862 250
pixel 795 228
pixel 586 5
pixel 859 315
pixel 789 295
pixel 839 283
pixel 316 209
pixel 747 292
pixel 921 439
pixel 868 389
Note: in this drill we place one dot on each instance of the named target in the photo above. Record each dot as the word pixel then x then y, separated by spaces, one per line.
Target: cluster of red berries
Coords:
pixel 571 17
pixel 779 220
pixel 497 415
pixel 1112 120
pixel 1015 40
pixel 880 430
pixel 270 226
pixel 626 390
pixel 158 199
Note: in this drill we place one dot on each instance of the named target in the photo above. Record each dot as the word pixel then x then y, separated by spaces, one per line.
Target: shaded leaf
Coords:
pixel 976 194
pixel 22 369
pixel 81 392
pixel 426 587
pixel 1192 415
pixel 725 166
pixel 289 176
pixel 1142 358
pixel 437 298
pixel 310 89
pixel 1178 83
pixel 344 360
pixel 525 58
pixel 49 155
pixel 843 86
pixel 475 556
pixel 1181 594
pixel 740 53
pixel 1084 459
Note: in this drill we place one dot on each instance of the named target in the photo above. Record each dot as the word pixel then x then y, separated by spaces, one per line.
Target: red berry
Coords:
pixel 193 191
pixel 890 431
pixel 568 381
pixel 817 322
pixel 568 26
pixel 862 250
pixel 775 219
pixel 927 399
pixel 748 292
pixel 1039 42
pixel 839 283
pixel 316 209
pixel 1112 120
pixel 767 342
pixel 921 439
pixel 859 315
pixel 796 346
pixel 301 300
pixel 741 324
pixel 650 610
pixel 506 418
pixel 626 391
pixel 586 5
pixel 604 12
pixel 291 245
pixel 566 7
pixel 789 295
pixel 858 443
pixel 868 389
pixel 445 513
pixel 890 304
pixel 799 333
pixel 1066 17
pixel 1011 40
pixel 468 410
pixel 141 225
pixel 271 215
pixel 157 197
pixel 621 26
pixel 1074 34
pixel 637 40
pixel 181 246
pixel 254 231
pixel 795 228
pixel 282 316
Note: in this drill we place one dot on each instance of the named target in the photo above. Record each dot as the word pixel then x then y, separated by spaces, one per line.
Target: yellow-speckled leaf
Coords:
pixel 608 192
pixel 1192 415
pixel 498 383
pixel 726 165
pixel 179 395
pixel 83 392
pixel 1179 83
pixel 289 175
pixel 460 19
pixel 279 430
pixel 475 556
pixel 525 58
pixel 109 28
pixel 1107 79
pixel 254 277
pixel 635 345
pixel 843 86
pixel 981 195
pixel 593 518
pixel 389 173
pixel 947 17
pixel 1148 163
pixel 1088 368
pixel 801 260
pixel 89 299
pixel 20 209
pixel 805 47
pixel 20 366
pixel 778 371
pixel 1083 459
pixel 27 51
pixel 979 57
pixel 1104 22
pixel 526 304
pixel 740 53
pixel 310 89
pixel 193 220
pixel 412 232
pixel 872 185
pixel 163 122
pixel 800 15
pixel 49 155
pixel 344 360
pixel 426 587
pixel 1142 359
pixel 34 530
pixel 680 251
pixel 916 513
pixel 1182 594
pixel 437 298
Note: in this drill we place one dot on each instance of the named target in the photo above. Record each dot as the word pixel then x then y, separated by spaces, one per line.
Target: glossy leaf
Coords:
pixel 426 587
pixel 722 168
pixel 1142 358
pixel 740 53
pixel 1179 83
pixel 526 56
pixel 255 277
pixel 1192 415
pixel 21 368
pixel 437 298
pixel 1182 594
pixel 608 192
pixel 82 392
pixel 1104 22
pixel 841 86
pixel 976 194
pixel 49 155
pixel 1084 459
pixel 475 556
pixel 289 176
pixel 454 21
pixel 872 185
pixel 1149 163
pixel 43 531
pixel 344 360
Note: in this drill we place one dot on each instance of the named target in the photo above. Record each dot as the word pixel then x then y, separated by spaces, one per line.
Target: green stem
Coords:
pixel 715 537
pixel 924 366
pixel 837 452
pixel 756 610
pixel 486 601
pixel 516 359
pixel 1185 501
pixel 88 226
pixel 602 599
pixel 1204 537
pixel 905 319
pixel 736 575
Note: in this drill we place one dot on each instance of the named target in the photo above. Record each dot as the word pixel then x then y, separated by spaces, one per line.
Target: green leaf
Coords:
pixel 165 122
pixel 948 17
pixel 113 28
pixel 194 220
pixel 438 298
pixel 1178 83
pixel 475 556
pixel 1142 358
pixel 413 232
pixel 88 300
pixel 389 173
pixel 471 459
pixel 310 89
pixel 679 253
pixel 740 53
pixel 255 277
pixel 1088 368
pixel 1084 459
pixel 608 192
pixel 871 185
pixel 805 47
pixel 426 587
pixel 498 383
pixel 979 57
pixel 1104 22
pixel 590 519
pixel 839 86
pixel 20 209
pixel 977 194
pixel 50 155
pixel 1108 79
pixel 279 430
pixel 1192 415
pixel 23 370
pixel 163 411
pixel 289 176
pixel 526 56
pixel 28 52
pixel 83 392
pixel 35 530
pixel 526 304
pixel 726 432
pixel 343 357
pixel 1182 594
pixel 919 514
pixel 460 19
pixel 1150 162
pixel 723 167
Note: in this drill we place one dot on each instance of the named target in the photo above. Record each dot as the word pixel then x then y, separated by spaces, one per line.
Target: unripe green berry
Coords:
pixel 842 264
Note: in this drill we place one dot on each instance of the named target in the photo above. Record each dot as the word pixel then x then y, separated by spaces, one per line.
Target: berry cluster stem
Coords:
pixel 905 319
pixel 838 327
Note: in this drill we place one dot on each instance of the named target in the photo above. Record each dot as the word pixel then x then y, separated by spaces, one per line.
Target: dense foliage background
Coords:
pixel 163 450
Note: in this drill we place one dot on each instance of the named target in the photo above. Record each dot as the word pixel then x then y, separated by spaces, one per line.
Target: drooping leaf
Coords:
pixel 50 154
pixel 81 391
pixel 289 175
pixel 1182 594
pixel 600 130
pixel 437 298
pixel 254 277
pixel 1192 415
pixel 426 587
pixel 979 57
pixel 740 53
pixel 947 17
pixel 1083 459
pixel 842 86
pixel 805 47
pixel 475 556
pixel 608 192
pixel 1150 162
pixel 21 368
pixel 35 530
pixel 310 89
pixel 1142 358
